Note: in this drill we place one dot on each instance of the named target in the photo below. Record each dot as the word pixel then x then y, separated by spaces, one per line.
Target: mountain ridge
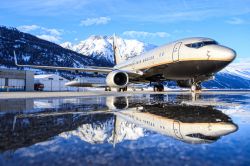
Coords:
pixel 101 47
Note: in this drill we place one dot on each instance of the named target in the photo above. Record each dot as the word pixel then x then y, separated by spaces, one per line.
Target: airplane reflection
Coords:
pixel 118 119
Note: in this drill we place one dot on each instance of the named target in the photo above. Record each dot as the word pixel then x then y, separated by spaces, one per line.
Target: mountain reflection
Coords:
pixel 110 120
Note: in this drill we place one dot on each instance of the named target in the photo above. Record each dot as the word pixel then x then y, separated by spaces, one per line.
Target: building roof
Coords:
pixel 46 76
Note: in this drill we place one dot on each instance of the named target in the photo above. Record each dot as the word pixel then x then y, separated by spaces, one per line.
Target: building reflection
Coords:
pixel 111 120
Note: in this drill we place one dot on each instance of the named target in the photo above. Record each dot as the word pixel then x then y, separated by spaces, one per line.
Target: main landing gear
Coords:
pixel 107 88
pixel 158 87
pixel 122 89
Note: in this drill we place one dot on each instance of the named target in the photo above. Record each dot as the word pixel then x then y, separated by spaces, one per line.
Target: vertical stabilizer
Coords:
pixel 117 55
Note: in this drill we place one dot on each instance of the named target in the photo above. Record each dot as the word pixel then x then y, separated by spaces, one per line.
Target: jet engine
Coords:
pixel 118 79
pixel 115 103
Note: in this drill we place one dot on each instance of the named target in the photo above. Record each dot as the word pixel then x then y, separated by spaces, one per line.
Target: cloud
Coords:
pixel 50 34
pixel 28 28
pixel 95 21
pixel 52 31
pixel 50 38
pixel 236 21
pixel 143 34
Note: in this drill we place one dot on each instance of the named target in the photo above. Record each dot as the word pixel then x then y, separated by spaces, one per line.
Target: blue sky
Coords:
pixel 156 22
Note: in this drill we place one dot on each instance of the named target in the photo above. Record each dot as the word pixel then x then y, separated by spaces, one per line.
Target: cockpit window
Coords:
pixel 201 44
pixel 210 43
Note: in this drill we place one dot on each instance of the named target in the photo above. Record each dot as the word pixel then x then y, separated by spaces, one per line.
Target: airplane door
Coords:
pixel 175 54
pixel 176 128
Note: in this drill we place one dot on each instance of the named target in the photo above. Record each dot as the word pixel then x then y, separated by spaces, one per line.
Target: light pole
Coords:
pixel 60 79
pixel 51 79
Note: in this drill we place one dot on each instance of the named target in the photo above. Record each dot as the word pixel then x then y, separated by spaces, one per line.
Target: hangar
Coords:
pixel 53 82
pixel 16 80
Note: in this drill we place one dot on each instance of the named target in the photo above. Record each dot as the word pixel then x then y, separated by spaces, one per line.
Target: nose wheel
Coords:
pixel 196 87
pixel 159 88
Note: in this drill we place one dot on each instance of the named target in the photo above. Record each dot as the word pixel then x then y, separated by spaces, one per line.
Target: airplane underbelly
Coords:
pixel 190 69
pixel 187 69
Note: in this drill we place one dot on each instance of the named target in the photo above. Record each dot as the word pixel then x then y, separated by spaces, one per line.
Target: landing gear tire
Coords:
pixel 122 89
pixel 158 88
pixel 196 87
pixel 107 89
pixel 125 89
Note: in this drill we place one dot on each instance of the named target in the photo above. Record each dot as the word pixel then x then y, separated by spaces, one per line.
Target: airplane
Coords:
pixel 189 124
pixel 188 61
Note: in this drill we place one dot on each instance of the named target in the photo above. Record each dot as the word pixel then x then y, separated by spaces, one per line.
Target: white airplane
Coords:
pixel 184 124
pixel 188 61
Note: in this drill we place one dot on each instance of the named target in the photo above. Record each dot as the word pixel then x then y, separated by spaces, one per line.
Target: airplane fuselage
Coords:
pixel 181 60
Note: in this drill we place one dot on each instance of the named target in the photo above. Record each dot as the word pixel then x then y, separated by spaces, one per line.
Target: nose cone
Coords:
pixel 219 52
pixel 223 129
pixel 229 55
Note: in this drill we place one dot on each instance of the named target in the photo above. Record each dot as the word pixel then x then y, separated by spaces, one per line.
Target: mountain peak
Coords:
pixel 100 47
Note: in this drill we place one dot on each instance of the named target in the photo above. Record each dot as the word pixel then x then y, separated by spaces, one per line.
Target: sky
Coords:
pixel 156 22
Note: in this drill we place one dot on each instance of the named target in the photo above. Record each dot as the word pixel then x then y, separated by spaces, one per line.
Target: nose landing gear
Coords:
pixel 196 87
pixel 158 88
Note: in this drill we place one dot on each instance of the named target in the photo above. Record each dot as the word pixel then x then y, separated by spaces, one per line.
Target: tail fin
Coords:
pixel 117 55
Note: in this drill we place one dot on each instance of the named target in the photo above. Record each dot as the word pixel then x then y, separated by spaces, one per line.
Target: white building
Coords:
pixel 16 80
pixel 53 82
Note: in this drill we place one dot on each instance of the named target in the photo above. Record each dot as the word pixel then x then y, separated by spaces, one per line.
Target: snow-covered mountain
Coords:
pixel 33 50
pixel 101 47
pixel 106 132
pixel 234 76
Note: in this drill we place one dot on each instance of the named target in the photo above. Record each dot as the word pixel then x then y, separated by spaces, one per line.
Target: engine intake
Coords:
pixel 117 79
pixel 115 103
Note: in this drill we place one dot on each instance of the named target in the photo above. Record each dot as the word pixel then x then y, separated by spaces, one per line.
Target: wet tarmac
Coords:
pixel 138 129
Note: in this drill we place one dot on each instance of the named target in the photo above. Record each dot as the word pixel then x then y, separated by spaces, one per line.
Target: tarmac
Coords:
pixel 34 94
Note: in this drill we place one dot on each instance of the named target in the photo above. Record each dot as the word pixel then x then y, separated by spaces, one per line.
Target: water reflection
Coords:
pixel 112 120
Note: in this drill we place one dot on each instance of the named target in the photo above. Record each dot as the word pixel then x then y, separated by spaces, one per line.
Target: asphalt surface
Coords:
pixel 20 95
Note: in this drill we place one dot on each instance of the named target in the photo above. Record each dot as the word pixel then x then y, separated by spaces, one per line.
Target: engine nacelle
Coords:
pixel 118 79
pixel 115 103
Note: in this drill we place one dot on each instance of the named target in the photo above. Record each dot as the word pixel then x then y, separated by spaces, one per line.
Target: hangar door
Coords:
pixel 16 84
pixel 2 83
pixel 54 84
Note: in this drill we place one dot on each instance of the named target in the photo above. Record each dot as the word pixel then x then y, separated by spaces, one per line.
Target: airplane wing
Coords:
pixel 94 69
